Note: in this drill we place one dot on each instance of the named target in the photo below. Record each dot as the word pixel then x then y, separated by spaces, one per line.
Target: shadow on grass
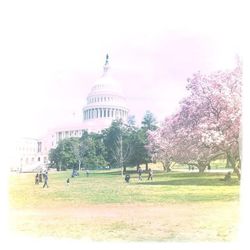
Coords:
pixel 192 182
pixel 114 172
pixel 161 173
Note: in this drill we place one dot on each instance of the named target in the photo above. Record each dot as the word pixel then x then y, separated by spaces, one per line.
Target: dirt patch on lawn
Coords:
pixel 213 221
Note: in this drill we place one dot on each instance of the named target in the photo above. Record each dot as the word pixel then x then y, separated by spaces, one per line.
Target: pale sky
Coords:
pixel 55 51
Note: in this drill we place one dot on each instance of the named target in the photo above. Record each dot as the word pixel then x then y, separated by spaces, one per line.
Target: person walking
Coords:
pixel 37 179
pixel 150 174
pixel 46 180
pixel 40 177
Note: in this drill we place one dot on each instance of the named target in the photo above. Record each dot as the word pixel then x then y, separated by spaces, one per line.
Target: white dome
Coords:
pixel 106 84
pixel 105 102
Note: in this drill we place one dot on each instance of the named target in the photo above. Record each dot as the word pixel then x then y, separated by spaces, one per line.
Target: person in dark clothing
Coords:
pixel 127 177
pixel 139 174
pixel 37 179
pixel 45 180
pixel 227 177
pixel 68 181
pixel 40 177
pixel 150 174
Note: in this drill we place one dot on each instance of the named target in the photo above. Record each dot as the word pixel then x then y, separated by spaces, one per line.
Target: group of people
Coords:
pixel 40 177
pixel 44 176
pixel 140 171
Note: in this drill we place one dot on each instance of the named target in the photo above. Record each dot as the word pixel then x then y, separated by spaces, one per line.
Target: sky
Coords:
pixel 55 51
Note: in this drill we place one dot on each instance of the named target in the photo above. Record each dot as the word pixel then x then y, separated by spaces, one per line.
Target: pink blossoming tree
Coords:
pixel 207 124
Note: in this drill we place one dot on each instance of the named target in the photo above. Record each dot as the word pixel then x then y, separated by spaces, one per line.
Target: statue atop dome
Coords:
pixel 106 65
pixel 107 59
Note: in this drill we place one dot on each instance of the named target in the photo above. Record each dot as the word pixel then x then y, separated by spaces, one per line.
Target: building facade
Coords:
pixel 28 155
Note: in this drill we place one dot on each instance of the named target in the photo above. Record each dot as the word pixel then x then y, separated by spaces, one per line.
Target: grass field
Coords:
pixel 174 206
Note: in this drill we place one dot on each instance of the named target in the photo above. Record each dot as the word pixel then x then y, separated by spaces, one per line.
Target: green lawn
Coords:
pixel 102 206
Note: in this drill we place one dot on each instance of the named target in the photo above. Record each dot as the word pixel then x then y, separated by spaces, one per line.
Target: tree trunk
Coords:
pixel 168 167
pixel 202 166
pixel 202 169
pixel 208 166
pixel 228 164
pixel 163 165
pixel 79 165
pixel 238 172
pixel 237 169
pixel 146 166
pixel 236 165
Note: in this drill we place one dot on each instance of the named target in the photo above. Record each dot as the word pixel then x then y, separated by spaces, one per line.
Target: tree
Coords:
pixel 139 154
pixel 218 95
pixel 149 121
pixel 131 121
pixel 94 156
pixel 63 156
pixel 119 147
pixel 87 151
pixel 148 124
pixel 80 147
pixel 207 124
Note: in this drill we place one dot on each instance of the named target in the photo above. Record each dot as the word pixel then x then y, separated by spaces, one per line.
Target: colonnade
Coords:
pixel 93 113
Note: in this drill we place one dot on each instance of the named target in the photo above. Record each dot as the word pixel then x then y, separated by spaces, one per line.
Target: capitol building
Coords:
pixel 105 103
